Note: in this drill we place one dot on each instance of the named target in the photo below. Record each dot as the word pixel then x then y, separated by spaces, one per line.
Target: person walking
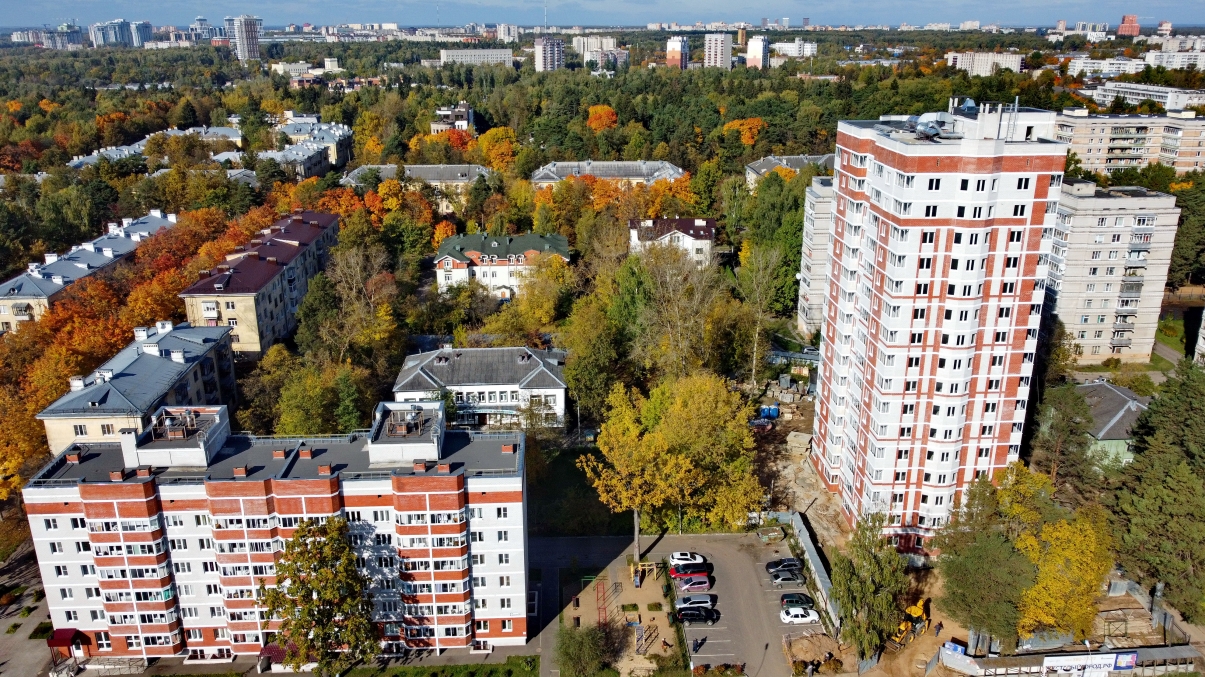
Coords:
pixel 937 629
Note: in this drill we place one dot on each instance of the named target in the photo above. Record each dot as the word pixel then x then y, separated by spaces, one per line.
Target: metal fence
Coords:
pixel 822 587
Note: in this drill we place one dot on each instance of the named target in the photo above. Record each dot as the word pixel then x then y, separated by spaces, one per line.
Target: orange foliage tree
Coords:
pixel 749 129
pixel 602 117
pixel 443 230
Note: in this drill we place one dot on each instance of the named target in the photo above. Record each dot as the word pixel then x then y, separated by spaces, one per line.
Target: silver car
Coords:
pixel 695 601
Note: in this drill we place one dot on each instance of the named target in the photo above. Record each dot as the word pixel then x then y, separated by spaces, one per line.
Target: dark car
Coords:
pixel 788 564
pixel 797 599
pixel 684 570
pixel 697 615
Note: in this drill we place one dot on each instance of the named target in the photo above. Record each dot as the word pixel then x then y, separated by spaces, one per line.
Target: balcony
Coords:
pixel 1140 246
pixel 1121 342
pixel 1135 263
pixel 1123 326
pixel 1126 311
pixel 1130 293
pixel 209 313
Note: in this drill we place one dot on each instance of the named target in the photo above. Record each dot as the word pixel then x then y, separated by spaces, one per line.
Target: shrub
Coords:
pixel 630 607
pixel 12 628
pixel 7 598
pixel 26 611
pixel 654 606
pixel 38 595
pixel 1112 362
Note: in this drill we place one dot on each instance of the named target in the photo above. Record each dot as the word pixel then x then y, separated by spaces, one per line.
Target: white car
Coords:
pixel 798 616
pixel 692 601
pixel 676 558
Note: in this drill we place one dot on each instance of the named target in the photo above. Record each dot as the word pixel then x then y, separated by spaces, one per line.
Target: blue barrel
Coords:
pixel 773 411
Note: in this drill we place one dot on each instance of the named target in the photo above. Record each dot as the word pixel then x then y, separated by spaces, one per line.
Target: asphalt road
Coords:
pixel 748 631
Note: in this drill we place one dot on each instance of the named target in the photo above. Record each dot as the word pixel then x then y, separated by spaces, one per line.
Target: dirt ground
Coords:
pixel 612 590
pixel 911 660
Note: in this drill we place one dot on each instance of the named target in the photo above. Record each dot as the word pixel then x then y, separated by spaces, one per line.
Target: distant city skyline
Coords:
pixel 599 13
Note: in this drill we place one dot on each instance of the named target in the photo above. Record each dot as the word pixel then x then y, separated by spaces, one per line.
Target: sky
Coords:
pixel 602 12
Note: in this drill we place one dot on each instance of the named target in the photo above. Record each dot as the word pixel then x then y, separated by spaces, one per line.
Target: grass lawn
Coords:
pixel 515 666
pixel 45 629
pixel 564 504
pixel 1171 334
pixel 1157 363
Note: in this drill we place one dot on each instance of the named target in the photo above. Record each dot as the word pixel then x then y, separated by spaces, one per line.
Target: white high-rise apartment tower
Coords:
pixel 717 50
pixel 243 32
pixel 813 273
pixel 937 275
pixel 549 54
pixel 758 54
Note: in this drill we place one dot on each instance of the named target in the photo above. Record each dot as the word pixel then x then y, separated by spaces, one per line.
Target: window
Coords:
pixel 51 524
pixel 1023 183
pixel 106 429
pixel 503 536
pixel 934 184
pixel 925 263
pixel 1011 261
pixel 56 547
pixel 501 513
pixel 80 430
pixel 504 602
pixel 928 237
pixel 913 361
pixel 1015 235
pixel 962 212
pixel 71 616
pixel 965 184
pixel 508 625
pixel 61 571
pixel 504 558
pixel 232 322
pixel 930 211
pixel 103 641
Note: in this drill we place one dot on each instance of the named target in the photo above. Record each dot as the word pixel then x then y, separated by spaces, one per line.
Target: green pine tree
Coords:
pixel 868 584
pixel 347 414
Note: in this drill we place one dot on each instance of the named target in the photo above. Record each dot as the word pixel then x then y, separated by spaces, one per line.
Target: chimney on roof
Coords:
pixel 178 355
pixel 324 470
pixel 240 471
pixel 296 218
pixel 116 475
pixel 144 471
pixel 271 260
pixel 77 383
pixel 278 453
pixel 105 375
pixel 203 274
pixel 420 466
pixel 151 349
pixel 445 468
pixel 141 333
pixel 307 452
pixel 73 456
pixel 171 218
pixel 157 213
pixel 164 326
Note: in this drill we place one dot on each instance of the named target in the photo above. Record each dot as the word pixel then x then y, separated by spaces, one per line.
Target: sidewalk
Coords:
pixel 19 655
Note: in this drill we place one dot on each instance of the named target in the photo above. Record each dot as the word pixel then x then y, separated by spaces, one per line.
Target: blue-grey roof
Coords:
pixel 794 162
pixel 134 382
pixel 428 173
pixel 641 170
pixel 522 367
pixel 326 131
pixel 44 280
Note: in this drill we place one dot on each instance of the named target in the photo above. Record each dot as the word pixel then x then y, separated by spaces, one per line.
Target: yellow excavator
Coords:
pixel 915 623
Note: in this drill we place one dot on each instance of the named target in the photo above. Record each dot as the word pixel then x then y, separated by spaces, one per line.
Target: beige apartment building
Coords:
pixel 1107 143
pixel 257 290
pixel 165 365
pixel 1109 254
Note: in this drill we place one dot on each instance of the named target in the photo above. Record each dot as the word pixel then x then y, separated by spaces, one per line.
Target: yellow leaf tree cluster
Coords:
pixel 684 452
pixel 749 129
pixel 1073 557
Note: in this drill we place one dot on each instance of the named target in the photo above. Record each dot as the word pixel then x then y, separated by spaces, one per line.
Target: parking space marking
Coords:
pixel 712 655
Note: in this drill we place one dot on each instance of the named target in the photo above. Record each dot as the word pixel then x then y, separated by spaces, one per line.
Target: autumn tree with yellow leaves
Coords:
pixel 683 452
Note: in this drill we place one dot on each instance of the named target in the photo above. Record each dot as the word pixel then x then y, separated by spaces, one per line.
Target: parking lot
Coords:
pixel 748 631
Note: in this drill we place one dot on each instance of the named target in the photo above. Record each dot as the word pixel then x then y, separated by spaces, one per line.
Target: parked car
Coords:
pixel 694 584
pixel 791 579
pixel 797 616
pixel 787 564
pixel 697 615
pixel 676 558
pixel 683 570
pixel 695 601
pixel 797 599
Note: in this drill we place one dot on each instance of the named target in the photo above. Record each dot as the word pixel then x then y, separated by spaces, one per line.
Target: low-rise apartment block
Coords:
pixel 335 138
pixel 756 170
pixel 449 181
pixel 695 237
pixel 1134 93
pixel 178 365
pixel 29 295
pixel 256 291
pixel 1109 256
pixel 459 117
pixel 627 173
pixel 490 386
pixel 1176 60
pixel 984 63
pixel 813 267
pixel 498 262
pixel 1107 143
pixel 155 544
pixel 476 57
pixel 1110 67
